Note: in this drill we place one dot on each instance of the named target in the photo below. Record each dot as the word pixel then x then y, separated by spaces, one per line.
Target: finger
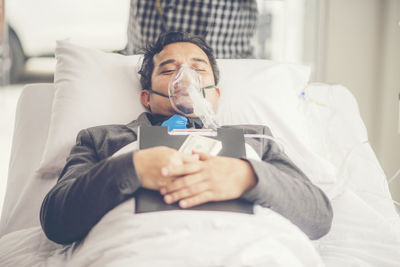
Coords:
pixel 202 156
pixel 190 158
pixel 155 182
pixel 175 157
pixel 201 198
pixel 186 192
pixel 164 181
pixel 181 170
pixel 177 160
pixel 182 182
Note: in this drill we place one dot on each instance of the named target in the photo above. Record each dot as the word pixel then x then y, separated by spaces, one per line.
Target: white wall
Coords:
pixel 362 52
pixel 351 52
pixel 387 135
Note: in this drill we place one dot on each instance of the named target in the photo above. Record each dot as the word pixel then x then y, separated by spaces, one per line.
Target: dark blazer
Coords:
pixel 92 183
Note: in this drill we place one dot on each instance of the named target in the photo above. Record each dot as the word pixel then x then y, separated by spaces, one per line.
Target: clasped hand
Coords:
pixel 195 179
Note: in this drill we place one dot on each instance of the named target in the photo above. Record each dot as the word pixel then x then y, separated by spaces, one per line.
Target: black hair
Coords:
pixel 165 39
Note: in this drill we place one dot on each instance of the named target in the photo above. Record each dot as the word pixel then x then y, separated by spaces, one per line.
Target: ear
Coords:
pixel 218 91
pixel 145 98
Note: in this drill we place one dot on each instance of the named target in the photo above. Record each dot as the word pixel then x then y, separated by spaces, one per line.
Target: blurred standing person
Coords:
pixel 227 25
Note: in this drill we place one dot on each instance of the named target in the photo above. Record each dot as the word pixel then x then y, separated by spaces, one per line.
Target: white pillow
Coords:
pixel 268 93
pixel 95 88
pixel 92 88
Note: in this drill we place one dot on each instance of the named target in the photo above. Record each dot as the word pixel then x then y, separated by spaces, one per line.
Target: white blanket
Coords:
pixel 360 236
pixel 194 238
pixel 173 238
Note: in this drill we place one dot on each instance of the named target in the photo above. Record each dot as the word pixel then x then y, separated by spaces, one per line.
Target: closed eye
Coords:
pixel 167 71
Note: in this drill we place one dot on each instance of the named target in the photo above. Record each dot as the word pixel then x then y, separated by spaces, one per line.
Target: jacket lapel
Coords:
pixel 141 120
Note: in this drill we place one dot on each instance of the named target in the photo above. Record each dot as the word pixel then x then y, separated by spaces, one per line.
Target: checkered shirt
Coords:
pixel 228 26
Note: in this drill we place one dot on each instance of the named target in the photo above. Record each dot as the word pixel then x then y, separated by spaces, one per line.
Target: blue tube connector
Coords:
pixel 175 122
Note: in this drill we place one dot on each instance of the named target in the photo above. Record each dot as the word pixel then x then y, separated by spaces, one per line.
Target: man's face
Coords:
pixel 166 63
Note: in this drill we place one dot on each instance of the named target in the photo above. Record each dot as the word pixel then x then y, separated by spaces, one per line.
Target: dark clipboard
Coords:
pixel 232 146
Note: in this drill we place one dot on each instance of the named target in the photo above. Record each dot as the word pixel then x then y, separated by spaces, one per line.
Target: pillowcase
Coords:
pixel 92 88
pixel 268 93
pixel 96 88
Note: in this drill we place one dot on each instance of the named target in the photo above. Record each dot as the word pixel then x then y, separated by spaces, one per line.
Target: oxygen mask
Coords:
pixel 187 96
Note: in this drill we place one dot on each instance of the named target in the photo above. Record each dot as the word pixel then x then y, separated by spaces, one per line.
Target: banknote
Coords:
pixel 202 144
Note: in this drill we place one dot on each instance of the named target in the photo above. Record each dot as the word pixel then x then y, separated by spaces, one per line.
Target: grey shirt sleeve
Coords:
pixel 284 188
pixel 87 189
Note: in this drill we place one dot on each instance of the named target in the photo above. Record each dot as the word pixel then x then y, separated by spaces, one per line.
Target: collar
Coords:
pixel 147 118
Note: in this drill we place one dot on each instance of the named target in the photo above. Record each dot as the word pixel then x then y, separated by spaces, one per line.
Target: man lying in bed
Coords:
pixel 92 182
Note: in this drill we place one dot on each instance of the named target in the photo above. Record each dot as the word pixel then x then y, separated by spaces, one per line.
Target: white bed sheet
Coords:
pixel 365 230
pixel 25 190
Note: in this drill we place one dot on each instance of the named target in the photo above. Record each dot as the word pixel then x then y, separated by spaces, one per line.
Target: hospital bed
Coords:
pixel 318 126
